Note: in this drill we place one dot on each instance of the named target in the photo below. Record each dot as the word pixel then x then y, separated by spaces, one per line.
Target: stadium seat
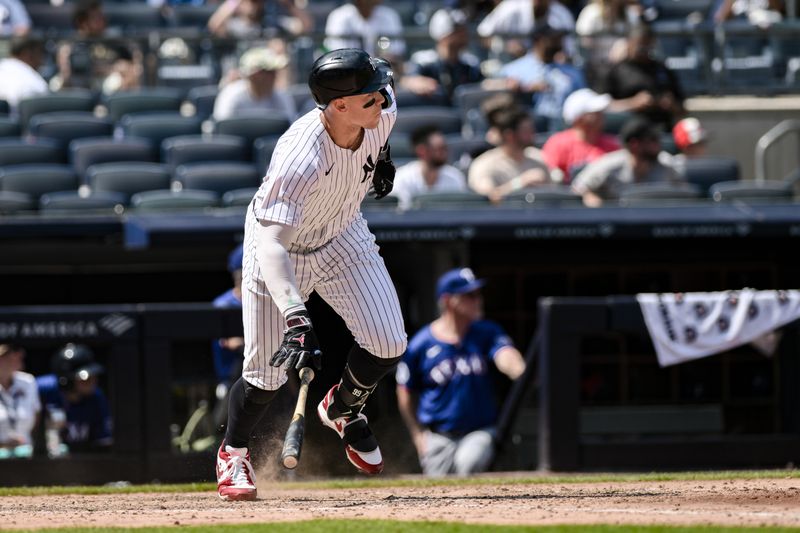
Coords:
pixel 301 94
pixel 253 127
pixel 176 151
pixel 641 194
pixel 451 200
pixel 24 151
pixel 238 197
pixel 49 18
pixel 467 98
pixel 67 100
pixel 37 179
pixel 13 202
pixel 203 98
pixel 128 178
pixel 185 77
pixel 137 17
pixel 4 108
pixel 143 101
pixel 613 121
pixel 65 126
pixel 401 146
pixel 167 200
pixel 751 191
pixel 706 171
pixel 406 98
pixel 74 202
pixel 156 127
pixel 447 119
pixel 543 196
pixel 387 203
pixel 680 9
pixel 262 153
pixel 9 127
pixel 219 177
pixel 192 16
pixel 462 151
pixel 93 150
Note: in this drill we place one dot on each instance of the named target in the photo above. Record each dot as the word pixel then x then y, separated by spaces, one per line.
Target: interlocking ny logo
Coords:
pixel 368 167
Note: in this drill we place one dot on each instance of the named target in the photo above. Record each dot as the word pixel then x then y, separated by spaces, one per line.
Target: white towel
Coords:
pixel 686 326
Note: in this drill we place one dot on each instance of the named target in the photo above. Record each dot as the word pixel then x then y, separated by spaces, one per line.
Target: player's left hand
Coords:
pixel 383 175
pixel 300 347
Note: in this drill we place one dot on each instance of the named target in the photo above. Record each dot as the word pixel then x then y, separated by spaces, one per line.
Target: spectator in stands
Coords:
pixel 447 66
pixel 643 84
pixel 228 352
pixel 520 17
pixel 602 27
pixel 539 73
pixel 691 141
pixel 126 71
pixel 255 92
pixel 14 18
pixel 19 404
pixel 20 72
pixel 445 389
pixel 584 141
pixel 253 18
pixel 762 13
pixel 362 24
pixel 72 392
pixel 605 178
pixel 430 172
pixel 514 164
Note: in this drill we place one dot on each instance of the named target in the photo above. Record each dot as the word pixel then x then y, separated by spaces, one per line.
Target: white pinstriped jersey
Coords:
pixel 316 186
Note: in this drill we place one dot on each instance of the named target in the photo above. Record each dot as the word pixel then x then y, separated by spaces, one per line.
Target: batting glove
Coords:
pixel 383 176
pixel 300 347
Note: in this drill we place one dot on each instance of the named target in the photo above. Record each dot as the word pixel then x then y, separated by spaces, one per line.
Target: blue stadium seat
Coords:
pixel 135 17
pixel 447 119
pixel 543 196
pixel 65 126
pixel 387 203
pixel 67 100
pixel 51 18
pixel 658 193
pixel 23 151
pixel 93 150
pixel 13 202
pixel 191 16
pixel 219 177
pixel 75 202
pixel 706 171
pixel 262 153
pixel 253 127
pixel 751 191
pixel 168 200
pixel 238 197
pixel 176 151
pixel 301 94
pixel 156 127
pixel 614 120
pixel 406 98
pixel 128 178
pixel 448 200
pixel 467 99
pixel 680 9
pixel 35 180
pixel 5 109
pixel 203 98
pixel 9 127
pixel 143 101
pixel 185 77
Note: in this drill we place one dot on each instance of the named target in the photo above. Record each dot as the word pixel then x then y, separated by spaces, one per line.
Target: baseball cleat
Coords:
pixel 236 480
pixel 360 444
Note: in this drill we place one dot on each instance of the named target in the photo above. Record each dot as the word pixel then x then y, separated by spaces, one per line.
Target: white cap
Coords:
pixel 584 101
pixel 261 58
pixel 444 22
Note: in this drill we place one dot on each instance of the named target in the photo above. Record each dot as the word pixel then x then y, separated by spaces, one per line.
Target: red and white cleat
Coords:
pixel 236 480
pixel 360 444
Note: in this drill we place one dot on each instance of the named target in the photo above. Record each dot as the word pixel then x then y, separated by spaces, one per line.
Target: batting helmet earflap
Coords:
pixel 74 361
pixel 347 72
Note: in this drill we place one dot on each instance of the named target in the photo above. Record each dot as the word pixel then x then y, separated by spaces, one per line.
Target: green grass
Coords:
pixel 348 483
pixel 373 526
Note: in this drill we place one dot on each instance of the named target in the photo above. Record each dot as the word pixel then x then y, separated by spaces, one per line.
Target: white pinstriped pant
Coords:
pixel 349 274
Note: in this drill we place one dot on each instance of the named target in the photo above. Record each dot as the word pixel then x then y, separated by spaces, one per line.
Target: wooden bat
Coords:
pixel 293 442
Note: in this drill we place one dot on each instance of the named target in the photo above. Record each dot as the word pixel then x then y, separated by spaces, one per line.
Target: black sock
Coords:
pixel 360 377
pixel 246 406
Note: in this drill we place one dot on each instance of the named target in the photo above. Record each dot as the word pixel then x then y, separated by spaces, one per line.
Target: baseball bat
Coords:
pixel 293 442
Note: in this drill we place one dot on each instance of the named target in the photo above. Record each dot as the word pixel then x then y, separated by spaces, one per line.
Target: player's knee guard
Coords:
pixel 253 394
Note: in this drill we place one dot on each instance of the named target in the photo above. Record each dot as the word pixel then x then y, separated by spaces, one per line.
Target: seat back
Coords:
pixel 21 152
pixel 706 171
pixel 73 202
pixel 238 197
pixel 35 180
pixel 447 119
pixel 156 127
pixel 448 200
pixel 655 193
pixel 184 149
pixel 203 98
pixel 132 16
pixel 128 178
pixel 9 127
pixel 67 100
pixel 167 200
pixel 93 150
pixel 263 147
pixel 13 202
pixel 751 192
pixel 251 128
pixel 543 196
pixel 65 126
pixel 151 100
pixel 219 177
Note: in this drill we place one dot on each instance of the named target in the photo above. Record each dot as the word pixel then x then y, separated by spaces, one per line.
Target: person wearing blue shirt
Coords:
pixel 444 385
pixel 72 390
pixel 228 351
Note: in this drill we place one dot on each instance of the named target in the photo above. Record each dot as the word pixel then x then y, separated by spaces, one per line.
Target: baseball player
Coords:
pixel 304 232
pixel 444 385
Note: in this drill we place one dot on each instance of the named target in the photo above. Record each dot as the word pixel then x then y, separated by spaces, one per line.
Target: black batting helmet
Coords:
pixel 347 72
pixel 74 361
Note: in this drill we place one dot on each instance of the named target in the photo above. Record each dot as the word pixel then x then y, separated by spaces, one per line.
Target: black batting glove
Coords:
pixel 383 176
pixel 300 347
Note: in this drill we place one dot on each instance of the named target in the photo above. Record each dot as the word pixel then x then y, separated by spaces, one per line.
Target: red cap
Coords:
pixel 687 132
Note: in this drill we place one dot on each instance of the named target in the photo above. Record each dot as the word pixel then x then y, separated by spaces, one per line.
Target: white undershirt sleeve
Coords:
pixel 272 240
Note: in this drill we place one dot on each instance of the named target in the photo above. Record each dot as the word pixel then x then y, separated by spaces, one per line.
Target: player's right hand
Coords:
pixel 300 347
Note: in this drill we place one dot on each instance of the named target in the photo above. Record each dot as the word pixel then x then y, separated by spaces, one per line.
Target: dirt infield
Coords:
pixel 736 502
